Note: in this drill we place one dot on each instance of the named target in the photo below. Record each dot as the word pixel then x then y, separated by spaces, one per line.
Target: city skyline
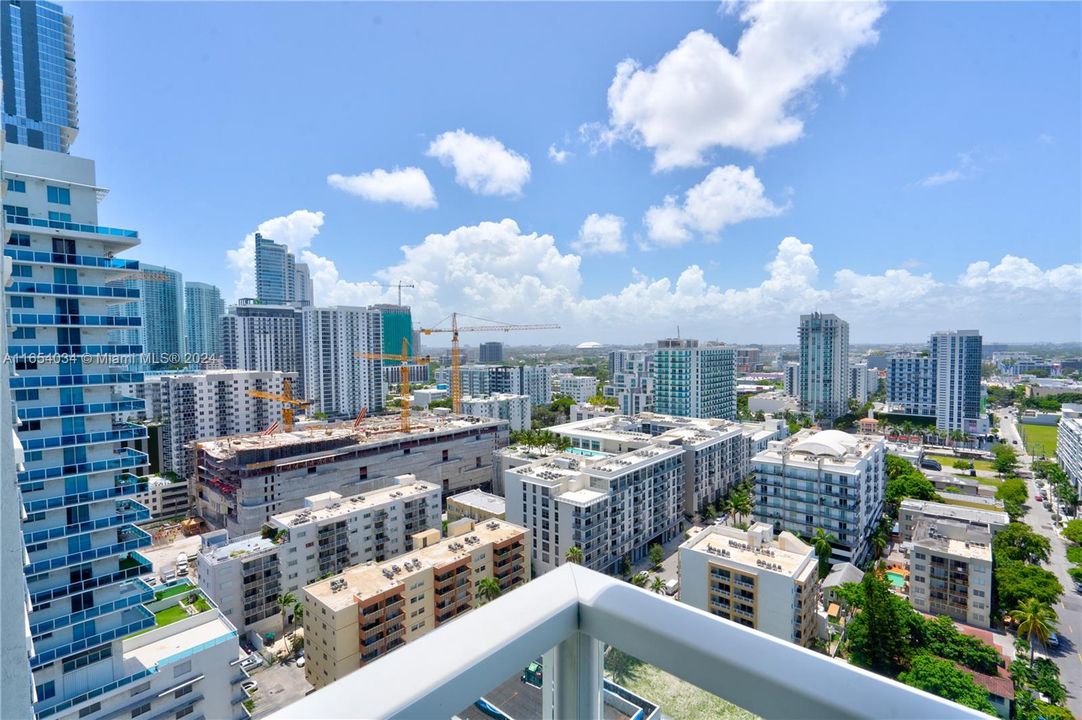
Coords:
pixel 759 229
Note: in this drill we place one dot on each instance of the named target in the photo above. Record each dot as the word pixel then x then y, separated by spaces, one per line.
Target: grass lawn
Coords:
pixel 1039 439
pixel 169 615
pixel 952 499
pixel 948 462
pixel 677 699
pixel 178 590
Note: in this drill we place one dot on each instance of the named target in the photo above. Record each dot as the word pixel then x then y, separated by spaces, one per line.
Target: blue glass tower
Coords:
pixel 37 49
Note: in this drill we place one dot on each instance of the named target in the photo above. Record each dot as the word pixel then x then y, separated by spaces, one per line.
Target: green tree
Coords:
pixel 625 566
pixel 488 589
pixel 709 514
pixel 905 481
pixel 657 555
pixel 821 542
pixel 602 400
pixel 885 631
pixel 286 601
pixel 741 501
pixel 1018 542
pixel 1006 459
pixel 941 677
pixel 657 585
pixel 1073 531
pixel 574 555
pixel 638 580
pixel 1017 582
pixel 1012 493
pixel 620 665
pixel 1035 621
pixel 940 637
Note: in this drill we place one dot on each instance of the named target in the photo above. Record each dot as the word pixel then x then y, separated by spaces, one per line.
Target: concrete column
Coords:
pixel 573 679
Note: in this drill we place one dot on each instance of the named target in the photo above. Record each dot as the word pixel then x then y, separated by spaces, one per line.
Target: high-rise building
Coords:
pixel 824 365
pixel 40 102
pixel 957 355
pixel 262 337
pixel 16 681
pixel 303 290
pixel 1069 444
pixel 397 325
pixel 944 382
pixel 826 480
pixel 694 381
pixel 753 578
pixel 791 379
pixel 477 380
pixel 160 308
pixel 203 311
pixel 368 610
pixel 748 359
pixel 87 603
pixel 275 272
pixel 491 352
pixel 859 389
pixel 337 381
pixel 631 380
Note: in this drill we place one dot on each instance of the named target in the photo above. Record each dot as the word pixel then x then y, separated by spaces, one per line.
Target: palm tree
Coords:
pixel 657 585
pixel 821 542
pixel 879 542
pixel 286 602
pixel 741 503
pixel 298 611
pixel 725 506
pixel 638 580
pixel 488 589
pixel 1035 620
pixel 574 555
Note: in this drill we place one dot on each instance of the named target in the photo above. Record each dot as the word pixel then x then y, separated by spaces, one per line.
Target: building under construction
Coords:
pixel 241 481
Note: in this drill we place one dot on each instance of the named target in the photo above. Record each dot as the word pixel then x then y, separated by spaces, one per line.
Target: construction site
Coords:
pixel 241 481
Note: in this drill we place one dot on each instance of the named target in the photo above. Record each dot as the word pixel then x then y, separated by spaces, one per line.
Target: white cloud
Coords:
pixel 601 234
pixel 558 156
pixel 700 95
pixel 966 166
pixel 408 186
pixel 496 270
pixel 296 230
pixel 728 195
pixel 481 164
pixel 1016 273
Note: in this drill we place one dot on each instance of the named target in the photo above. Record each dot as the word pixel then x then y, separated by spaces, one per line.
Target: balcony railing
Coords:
pixel 74 227
pixel 567 615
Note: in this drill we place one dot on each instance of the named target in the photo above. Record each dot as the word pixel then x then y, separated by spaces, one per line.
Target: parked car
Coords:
pixel 1038 497
pixel 300 662
pixel 672 586
pixel 1053 640
pixel 1077 586
pixel 929 464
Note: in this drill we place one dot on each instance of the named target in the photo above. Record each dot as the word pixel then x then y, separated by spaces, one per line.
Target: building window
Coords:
pixel 20 239
pixel 141 710
pixel 186 711
pixel 58 195
pixel 182 692
pixel 59 216
pixel 22 271
pixel 90 709
pixel 182 668
pixel 45 690
pixel 16 185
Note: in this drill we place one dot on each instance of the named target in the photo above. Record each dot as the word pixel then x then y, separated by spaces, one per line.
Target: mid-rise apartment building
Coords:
pixel 753 578
pixel 951 571
pixel 477 380
pixel 1069 445
pixel 164 498
pixel 240 482
pixel 263 337
pixel 203 312
pixel 863 381
pixel 367 611
pixel 911 383
pixel 579 388
pixel 912 511
pixel 823 375
pixel 245 575
pixel 517 410
pixel 631 380
pixel 336 381
pixel 303 288
pixel 694 381
pixel 825 480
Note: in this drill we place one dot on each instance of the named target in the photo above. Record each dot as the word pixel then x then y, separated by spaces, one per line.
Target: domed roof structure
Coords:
pixel 589 345
pixel 826 442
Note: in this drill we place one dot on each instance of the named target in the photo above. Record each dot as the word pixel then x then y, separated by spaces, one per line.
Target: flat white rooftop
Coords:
pixel 165 644
pixel 481 500
pixel 239 547
pixel 732 545
pixel 331 505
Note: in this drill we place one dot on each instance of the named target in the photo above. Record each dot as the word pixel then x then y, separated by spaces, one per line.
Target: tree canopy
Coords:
pixel 1017 582
pixel 1018 542
pixel 943 678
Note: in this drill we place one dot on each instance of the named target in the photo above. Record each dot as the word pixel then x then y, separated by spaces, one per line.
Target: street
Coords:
pixel 1068 656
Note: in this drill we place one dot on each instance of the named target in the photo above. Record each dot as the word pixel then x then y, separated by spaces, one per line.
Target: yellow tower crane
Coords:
pixel 456 361
pixel 404 377
pixel 287 400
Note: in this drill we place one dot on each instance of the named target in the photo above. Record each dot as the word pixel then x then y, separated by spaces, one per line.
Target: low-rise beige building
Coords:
pixel 913 511
pixel 365 612
pixel 750 577
pixel 950 571
pixel 477 505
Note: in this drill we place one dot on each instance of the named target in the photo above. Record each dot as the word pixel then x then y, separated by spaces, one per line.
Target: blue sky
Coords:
pixel 916 167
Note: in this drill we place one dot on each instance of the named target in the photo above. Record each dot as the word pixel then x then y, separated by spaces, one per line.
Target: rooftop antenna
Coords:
pixel 677 332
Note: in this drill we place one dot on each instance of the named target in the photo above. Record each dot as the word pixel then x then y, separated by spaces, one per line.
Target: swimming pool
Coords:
pixel 896 579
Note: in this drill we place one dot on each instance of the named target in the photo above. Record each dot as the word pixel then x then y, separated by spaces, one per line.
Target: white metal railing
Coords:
pixel 568 615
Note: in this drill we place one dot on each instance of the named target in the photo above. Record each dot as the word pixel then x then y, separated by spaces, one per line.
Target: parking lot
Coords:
pixel 278 686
